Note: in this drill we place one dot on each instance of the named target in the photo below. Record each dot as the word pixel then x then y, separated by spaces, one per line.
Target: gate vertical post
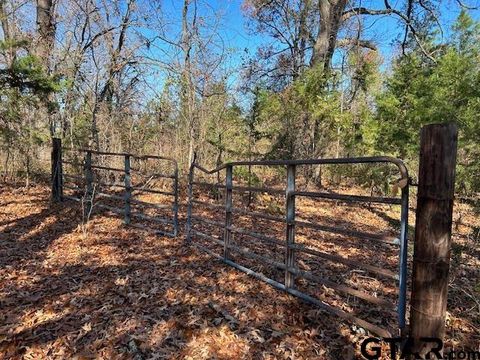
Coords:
pixel 290 222
pixel 403 269
pixel 175 201
pixel 433 229
pixel 228 210
pixel 57 170
pixel 88 199
pixel 128 190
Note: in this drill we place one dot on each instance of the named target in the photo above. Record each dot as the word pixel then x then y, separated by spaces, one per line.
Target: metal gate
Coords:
pixel 142 188
pixel 277 259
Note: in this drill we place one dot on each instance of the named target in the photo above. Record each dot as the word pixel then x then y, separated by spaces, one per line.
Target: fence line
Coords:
pixel 432 234
pixel 89 186
pixel 289 265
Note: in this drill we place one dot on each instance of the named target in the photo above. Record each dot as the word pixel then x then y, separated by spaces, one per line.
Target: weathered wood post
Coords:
pixel 88 198
pixel 175 201
pixel 431 258
pixel 128 190
pixel 190 199
pixel 228 210
pixel 57 170
pixel 290 232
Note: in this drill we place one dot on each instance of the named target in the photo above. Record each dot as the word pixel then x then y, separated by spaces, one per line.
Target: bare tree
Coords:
pixel 315 27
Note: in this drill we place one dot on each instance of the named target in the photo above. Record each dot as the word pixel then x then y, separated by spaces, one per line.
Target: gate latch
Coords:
pixel 399 184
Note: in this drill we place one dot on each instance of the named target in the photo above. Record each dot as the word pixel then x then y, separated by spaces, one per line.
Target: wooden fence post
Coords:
pixel 57 170
pixel 175 201
pixel 128 190
pixel 227 238
pixel 190 199
pixel 431 258
pixel 88 198
pixel 290 231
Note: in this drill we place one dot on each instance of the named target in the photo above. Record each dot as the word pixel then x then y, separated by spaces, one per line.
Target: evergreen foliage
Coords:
pixel 419 92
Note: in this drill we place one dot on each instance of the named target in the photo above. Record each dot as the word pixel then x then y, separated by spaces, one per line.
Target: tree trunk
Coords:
pixel 330 13
pixel 46 31
pixel 303 34
pixel 27 168
pixel 6 165
pixel 46 28
pixel 188 91
pixel 7 34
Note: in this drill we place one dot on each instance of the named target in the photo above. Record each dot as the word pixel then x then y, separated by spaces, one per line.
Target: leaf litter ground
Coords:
pixel 111 292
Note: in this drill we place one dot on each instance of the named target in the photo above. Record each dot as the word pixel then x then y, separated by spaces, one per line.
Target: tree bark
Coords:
pixel 330 13
pixel 188 91
pixel 46 31
pixel 46 28
pixel 7 34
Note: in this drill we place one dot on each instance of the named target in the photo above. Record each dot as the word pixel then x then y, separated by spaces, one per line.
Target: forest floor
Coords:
pixel 111 292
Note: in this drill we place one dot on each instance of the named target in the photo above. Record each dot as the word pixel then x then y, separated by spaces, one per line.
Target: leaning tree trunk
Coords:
pixel 330 14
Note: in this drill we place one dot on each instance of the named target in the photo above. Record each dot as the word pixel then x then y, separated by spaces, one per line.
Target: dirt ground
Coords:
pixel 110 292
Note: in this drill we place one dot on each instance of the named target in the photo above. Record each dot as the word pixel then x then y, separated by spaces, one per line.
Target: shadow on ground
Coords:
pixel 123 293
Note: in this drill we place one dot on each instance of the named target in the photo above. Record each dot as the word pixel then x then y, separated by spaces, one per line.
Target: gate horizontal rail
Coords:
pixel 291 248
pixel 359 234
pixel 121 201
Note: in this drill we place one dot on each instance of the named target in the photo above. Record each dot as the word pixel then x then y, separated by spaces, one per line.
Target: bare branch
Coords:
pixel 463 5
pixel 409 19
pixel 365 11
pixel 357 42
pixel 433 15
pixel 98 35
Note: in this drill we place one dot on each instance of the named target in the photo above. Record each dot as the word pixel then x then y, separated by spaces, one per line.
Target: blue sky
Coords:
pixel 233 29
pixel 383 28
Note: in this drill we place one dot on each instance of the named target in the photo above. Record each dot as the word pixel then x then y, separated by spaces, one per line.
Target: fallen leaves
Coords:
pixel 120 293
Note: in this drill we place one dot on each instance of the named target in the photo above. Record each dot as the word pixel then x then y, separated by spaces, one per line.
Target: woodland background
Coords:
pixel 323 78
pixel 126 75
